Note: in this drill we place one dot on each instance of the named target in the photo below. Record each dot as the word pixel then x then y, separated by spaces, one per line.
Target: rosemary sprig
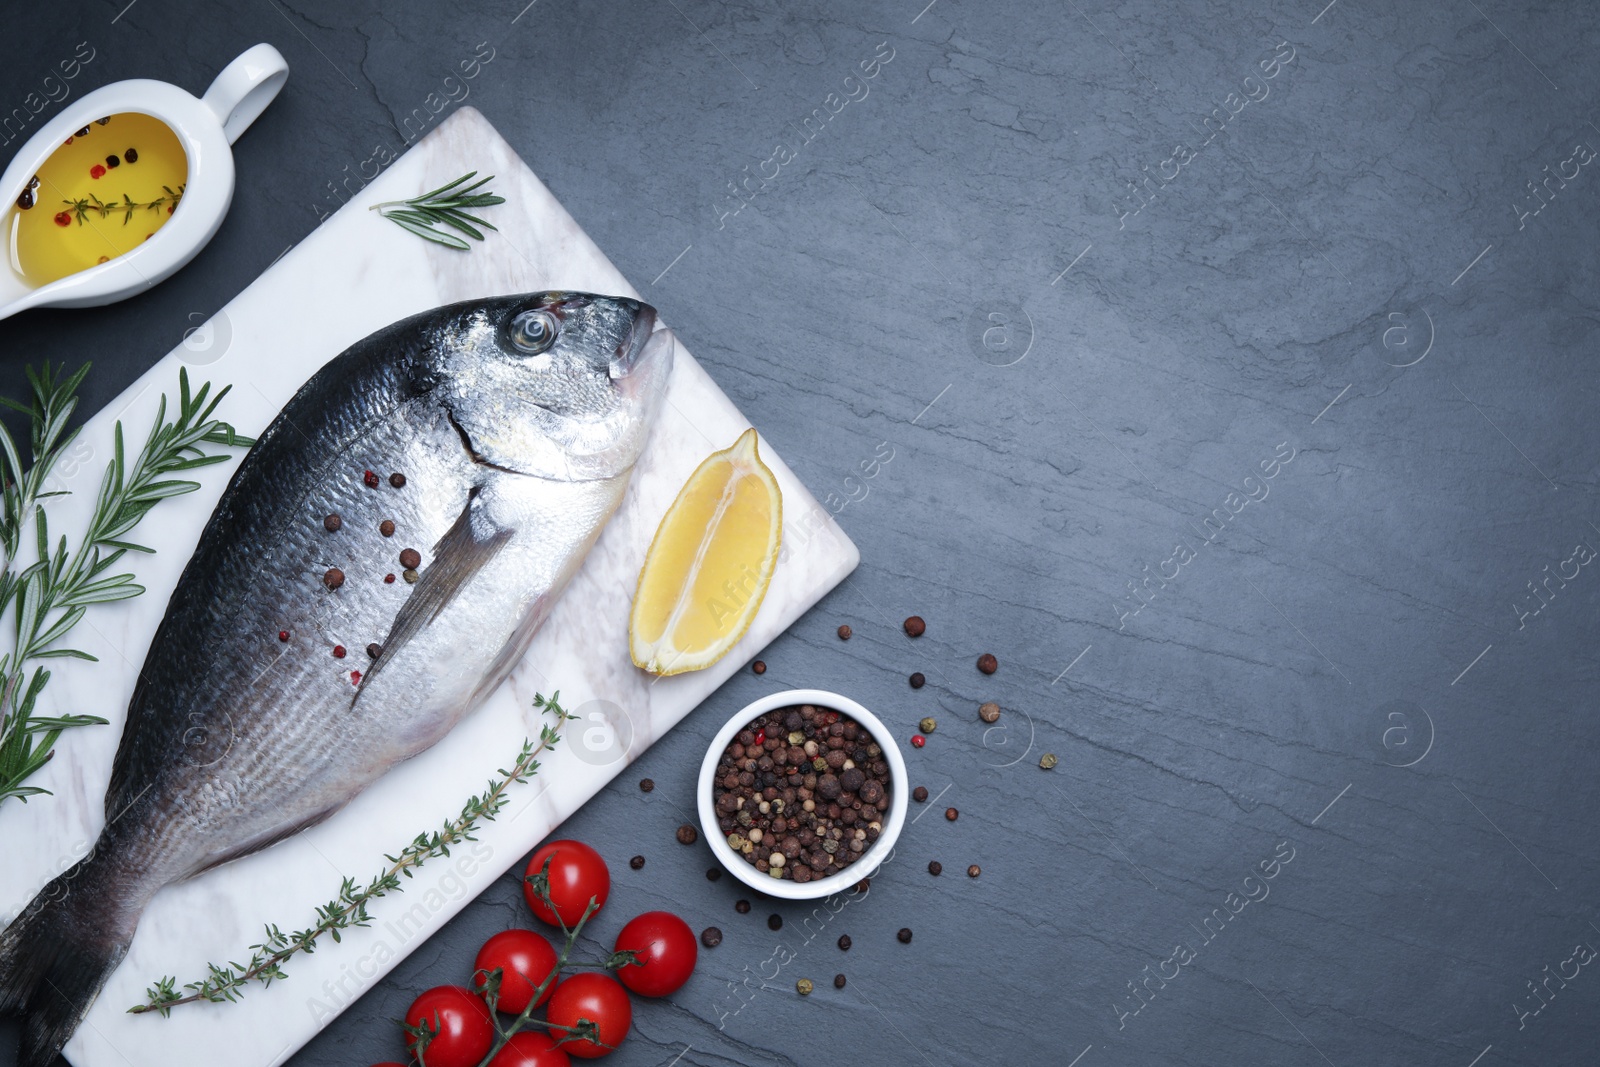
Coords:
pixel 349 908
pixel 444 207
pixel 51 596
pixel 83 207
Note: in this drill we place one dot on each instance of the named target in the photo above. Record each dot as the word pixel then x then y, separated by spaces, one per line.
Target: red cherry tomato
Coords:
pixel 577 873
pixel 665 949
pixel 463 1030
pixel 531 1048
pixel 598 998
pixel 525 959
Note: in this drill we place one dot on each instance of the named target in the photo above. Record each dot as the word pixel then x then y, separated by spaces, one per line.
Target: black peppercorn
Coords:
pixel 844 633
pixel 988 664
pixel 920 794
pixel 759 667
pixel 646 785
pixel 333 578
pixel 838 981
pixel 952 814
pixel 131 155
pixel 711 937
pixel 331 523
pixel 904 935
pixel 774 921
pixel 935 868
pixel 687 835
pixel 113 162
pixel 742 907
pixel 915 627
pixel 918 681
pixel 844 942
pixel 410 558
pixel 636 862
pixel 374 650
pixel 397 480
pixel 386 527
pixel 713 873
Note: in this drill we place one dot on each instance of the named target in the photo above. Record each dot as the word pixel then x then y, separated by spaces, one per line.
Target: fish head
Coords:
pixel 557 385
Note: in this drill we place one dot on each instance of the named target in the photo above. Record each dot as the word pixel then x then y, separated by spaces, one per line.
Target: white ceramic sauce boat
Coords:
pixel 206 127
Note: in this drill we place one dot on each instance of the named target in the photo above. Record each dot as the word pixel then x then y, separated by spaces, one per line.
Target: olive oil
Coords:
pixel 109 188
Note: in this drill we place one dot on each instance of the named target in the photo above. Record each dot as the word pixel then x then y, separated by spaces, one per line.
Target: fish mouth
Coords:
pixel 630 352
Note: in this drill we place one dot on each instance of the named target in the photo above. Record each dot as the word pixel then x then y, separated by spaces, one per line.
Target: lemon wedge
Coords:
pixel 710 563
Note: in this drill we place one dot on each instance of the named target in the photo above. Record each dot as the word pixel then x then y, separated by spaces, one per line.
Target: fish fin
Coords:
pixel 56 956
pixel 460 554
pixel 257 844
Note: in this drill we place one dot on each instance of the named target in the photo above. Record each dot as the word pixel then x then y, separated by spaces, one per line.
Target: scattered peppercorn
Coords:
pixel 397 480
pixel 759 667
pixel 82 133
pixel 687 835
pixel 742 907
pixel 918 681
pixel 1047 761
pixel 920 794
pixel 374 650
pixel 804 987
pixel 410 559
pixel 935 868
pixel 131 155
pixel 988 664
pixel 917 740
pixel 97 171
pixel 113 161
pixel 711 937
pixel 355 677
pixel 338 652
pixel 333 578
pixel 928 725
pixel 386 527
pixel 370 479
pixel 104 121
pixel 25 199
pixel 774 921
pixel 636 862
pixel 410 576
pixel 844 942
pixel 331 523
pixel 713 873
pixel 388 579
pixel 63 218
pixel 647 785
pixel 283 635
pixel 904 935
pixel 951 814
pixel 915 627
pixel 974 871
pixel 844 633
pixel 989 712
pixel 838 981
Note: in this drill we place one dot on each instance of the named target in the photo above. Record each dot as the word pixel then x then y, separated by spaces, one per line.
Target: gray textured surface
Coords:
pixel 1266 295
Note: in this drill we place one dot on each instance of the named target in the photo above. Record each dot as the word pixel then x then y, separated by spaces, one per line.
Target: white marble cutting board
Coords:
pixel 354 274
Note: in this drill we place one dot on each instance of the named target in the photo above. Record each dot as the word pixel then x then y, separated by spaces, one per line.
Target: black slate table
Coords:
pixel 1225 369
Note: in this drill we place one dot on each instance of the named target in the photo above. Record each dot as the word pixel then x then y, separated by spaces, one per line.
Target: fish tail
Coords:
pixel 55 957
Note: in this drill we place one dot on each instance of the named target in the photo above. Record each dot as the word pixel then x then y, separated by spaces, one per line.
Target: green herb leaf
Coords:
pixel 425 214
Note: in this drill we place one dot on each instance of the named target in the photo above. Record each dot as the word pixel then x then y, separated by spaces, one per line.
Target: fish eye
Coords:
pixel 534 331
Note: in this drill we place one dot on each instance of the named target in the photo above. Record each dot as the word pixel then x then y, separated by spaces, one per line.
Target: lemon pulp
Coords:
pixel 710 563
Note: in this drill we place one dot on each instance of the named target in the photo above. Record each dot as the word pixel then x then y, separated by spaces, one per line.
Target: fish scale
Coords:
pixel 516 422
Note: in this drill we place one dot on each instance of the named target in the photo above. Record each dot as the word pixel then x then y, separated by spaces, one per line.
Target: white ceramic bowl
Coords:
pixel 875 854
pixel 206 127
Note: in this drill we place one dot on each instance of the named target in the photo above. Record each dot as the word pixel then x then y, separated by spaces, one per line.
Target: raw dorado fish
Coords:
pixel 497 436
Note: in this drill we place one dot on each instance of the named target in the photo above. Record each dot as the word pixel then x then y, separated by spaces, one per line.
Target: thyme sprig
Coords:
pixel 84 206
pixel 445 206
pixel 350 907
pixel 51 596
